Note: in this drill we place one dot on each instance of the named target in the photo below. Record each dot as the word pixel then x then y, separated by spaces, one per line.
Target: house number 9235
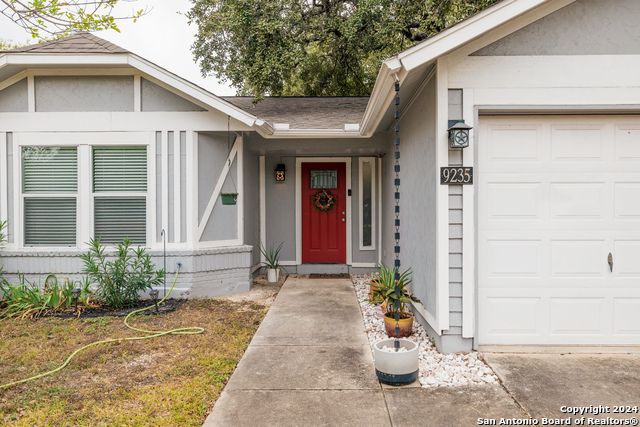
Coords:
pixel 456 176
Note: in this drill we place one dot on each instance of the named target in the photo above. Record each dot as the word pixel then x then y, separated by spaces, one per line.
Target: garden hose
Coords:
pixel 179 331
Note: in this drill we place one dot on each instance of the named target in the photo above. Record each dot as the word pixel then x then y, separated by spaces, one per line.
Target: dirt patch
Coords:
pixel 263 292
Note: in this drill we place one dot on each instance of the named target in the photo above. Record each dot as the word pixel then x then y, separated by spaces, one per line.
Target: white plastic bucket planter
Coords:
pixel 396 368
pixel 273 274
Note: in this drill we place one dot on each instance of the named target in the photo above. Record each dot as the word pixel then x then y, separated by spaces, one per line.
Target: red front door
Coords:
pixel 324 224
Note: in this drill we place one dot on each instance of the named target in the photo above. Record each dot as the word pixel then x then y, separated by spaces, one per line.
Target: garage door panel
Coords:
pixel 577 316
pixel 515 144
pixel 577 259
pixel 519 316
pixel 627 200
pixel 626 320
pixel 514 258
pixel 578 200
pixel 627 143
pixel 545 228
pixel 514 200
pixel 577 143
pixel 626 259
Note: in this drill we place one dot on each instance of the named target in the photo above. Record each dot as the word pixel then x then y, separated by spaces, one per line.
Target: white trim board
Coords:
pixel 374 202
pixel 299 161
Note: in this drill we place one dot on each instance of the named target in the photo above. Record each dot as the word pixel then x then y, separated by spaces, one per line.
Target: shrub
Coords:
pixel 120 281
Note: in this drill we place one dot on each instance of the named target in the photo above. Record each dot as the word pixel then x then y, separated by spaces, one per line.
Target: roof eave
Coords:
pixel 129 59
pixel 434 47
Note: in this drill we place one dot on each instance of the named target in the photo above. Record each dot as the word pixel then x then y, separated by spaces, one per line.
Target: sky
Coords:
pixel 163 37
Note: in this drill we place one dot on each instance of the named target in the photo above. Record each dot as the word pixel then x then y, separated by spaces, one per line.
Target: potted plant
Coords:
pixel 272 262
pixel 396 366
pixel 395 294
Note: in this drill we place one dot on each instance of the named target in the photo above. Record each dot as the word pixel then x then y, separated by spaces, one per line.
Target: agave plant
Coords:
pixel 389 289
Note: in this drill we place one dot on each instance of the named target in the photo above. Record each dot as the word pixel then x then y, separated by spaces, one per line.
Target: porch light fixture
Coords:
pixel 459 135
pixel 280 172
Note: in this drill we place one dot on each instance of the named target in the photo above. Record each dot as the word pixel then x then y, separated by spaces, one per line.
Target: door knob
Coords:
pixel 343 212
pixel 344 220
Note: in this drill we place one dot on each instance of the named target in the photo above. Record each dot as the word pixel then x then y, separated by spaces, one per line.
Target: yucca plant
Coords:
pixel 272 256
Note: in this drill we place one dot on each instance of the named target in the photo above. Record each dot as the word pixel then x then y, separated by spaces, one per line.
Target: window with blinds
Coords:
pixel 50 187
pixel 120 187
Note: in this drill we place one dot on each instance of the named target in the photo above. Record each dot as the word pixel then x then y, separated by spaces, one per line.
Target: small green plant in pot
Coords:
pixel 272 262
pixel 395 299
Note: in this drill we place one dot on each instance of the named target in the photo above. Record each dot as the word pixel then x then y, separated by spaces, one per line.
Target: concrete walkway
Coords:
pixel 310 364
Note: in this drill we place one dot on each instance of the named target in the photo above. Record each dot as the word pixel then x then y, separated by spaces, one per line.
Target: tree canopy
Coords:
pixel 313 47
pixel 52 18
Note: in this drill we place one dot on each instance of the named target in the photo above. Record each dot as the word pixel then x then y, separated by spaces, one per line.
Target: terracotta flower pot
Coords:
pixel 406 324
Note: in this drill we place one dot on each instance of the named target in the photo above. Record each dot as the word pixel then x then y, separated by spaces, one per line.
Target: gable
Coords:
pixel 585 27
pixel 156 98
pixel 13 99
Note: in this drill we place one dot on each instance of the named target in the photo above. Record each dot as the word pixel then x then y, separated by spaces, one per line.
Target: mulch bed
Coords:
pixel 96 310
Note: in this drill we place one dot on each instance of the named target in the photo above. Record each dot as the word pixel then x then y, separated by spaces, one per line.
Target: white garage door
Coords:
pixel 556 195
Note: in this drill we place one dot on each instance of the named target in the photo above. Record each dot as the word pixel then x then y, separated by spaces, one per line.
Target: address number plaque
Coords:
pixel 456 175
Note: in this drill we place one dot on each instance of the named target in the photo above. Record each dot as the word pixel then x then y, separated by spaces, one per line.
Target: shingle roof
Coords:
pixel 306 112
pixel 77 43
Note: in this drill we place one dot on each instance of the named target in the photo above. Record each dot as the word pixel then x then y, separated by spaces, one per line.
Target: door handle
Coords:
pixel 610 261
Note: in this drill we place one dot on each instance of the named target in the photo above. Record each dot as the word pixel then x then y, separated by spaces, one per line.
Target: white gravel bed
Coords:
pixel 436 369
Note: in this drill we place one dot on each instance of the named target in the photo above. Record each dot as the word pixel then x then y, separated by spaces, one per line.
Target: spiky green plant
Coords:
pixel 272 256
pixel 390 289
pixel 28 299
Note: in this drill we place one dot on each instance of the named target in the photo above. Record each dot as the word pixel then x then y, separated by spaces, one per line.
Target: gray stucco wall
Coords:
pixel 14 99
pixel 251 190
pixel 585 27
pixel 223 223
pixel 417 196
pixel 84 93
pixel 281 207
pixel 212 153
pixel 156 98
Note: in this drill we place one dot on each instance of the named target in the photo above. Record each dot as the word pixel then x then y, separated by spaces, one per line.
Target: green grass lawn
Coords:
pixel 170 380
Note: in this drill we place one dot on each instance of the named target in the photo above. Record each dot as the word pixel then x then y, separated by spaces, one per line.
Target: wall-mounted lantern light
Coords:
pixel 280 172
pixel 459 135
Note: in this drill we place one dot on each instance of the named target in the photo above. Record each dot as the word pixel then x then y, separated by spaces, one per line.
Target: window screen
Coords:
pixel 50 221
pixel 49 184
pixel 324 179
pixel 120 217
pixel 119 169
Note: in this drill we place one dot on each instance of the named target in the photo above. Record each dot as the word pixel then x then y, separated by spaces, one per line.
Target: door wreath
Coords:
pixel 324 201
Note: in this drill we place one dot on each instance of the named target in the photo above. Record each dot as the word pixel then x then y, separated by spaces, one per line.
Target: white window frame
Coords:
pixel 372 161
pixel 84 197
